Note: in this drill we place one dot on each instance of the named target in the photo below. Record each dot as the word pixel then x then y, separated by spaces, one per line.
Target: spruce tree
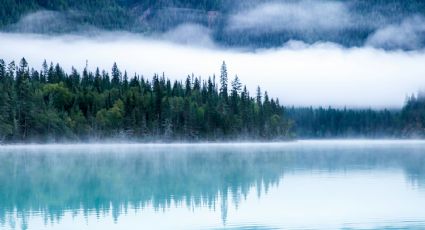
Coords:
pixel 223 81
pixel 6 124
pixel 116 76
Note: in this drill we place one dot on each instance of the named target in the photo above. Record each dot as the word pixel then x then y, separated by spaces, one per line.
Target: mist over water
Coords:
pixel 358 54
pixel 306 184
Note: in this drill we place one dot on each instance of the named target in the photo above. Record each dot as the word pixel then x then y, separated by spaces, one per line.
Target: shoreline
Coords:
pixel 299 142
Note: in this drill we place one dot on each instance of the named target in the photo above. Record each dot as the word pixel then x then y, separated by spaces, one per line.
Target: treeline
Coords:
pixel 51 105
pixel 344 123
pixel 409 122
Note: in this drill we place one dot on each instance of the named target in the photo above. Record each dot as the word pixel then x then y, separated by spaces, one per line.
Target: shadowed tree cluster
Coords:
pixel 345 123
pixel 407 122
pixel 51 105
pixel 413 115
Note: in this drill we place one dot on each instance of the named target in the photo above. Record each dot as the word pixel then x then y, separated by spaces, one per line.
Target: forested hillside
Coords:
pixel 51 105
pixel 132 15
pixel 230 23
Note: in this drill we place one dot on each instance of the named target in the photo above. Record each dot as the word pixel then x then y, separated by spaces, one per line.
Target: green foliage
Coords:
pixel 112 118
pixel 52 105
pixel 6 101
pixel 57 95
pixel 55 106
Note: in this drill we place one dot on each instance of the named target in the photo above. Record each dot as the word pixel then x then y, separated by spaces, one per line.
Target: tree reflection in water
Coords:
pixel 52 180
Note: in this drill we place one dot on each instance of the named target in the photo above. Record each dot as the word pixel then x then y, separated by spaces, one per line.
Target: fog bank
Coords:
pixel 298 74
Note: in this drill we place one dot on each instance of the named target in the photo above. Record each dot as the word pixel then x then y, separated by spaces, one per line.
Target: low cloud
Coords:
pixel 298 73
pixel 344 22
pixel 190 34
pixel 256 24
pixel 40 22
pixel 409 34
pixel 53 22
pixel 305 16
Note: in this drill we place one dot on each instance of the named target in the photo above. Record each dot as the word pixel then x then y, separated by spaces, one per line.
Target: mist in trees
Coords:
pixel 246 23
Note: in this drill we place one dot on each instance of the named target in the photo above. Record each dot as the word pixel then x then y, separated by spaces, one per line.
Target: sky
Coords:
pixel 382 72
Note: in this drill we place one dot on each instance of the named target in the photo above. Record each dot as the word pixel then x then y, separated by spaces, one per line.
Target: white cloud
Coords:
pixel 40 21
pixel 302 16
pixel 46 21
pixel 299 74
pixel 193 34
pixel 409 34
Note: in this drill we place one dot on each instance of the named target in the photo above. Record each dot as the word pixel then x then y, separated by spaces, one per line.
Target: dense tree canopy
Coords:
pixel 345 123
pixel 51 105
pixel 409 122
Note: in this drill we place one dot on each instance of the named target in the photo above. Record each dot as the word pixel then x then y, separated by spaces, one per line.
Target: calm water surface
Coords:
pixel 299 185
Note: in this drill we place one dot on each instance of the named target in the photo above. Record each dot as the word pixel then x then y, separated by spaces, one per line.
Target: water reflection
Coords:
pixel 57 181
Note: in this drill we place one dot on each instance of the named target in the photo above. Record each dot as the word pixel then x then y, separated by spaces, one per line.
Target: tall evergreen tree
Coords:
pixel 6 123
pixel 223 81
pixel 259 97
pixel 116 76
pixel 24 98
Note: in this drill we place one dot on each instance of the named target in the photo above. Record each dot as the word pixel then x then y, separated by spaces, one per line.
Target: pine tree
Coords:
pixel 6 124
pixel 236 85
pixel 116 76
pixel 236 88
pixel 223 81
pixel 44 72
pixel 24 97
pixel 258 97
pixel 2 71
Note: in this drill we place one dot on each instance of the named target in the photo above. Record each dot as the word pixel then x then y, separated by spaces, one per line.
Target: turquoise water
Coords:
pixel 297 185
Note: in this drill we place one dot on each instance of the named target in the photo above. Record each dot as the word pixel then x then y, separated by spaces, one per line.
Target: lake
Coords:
pixel 295 185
